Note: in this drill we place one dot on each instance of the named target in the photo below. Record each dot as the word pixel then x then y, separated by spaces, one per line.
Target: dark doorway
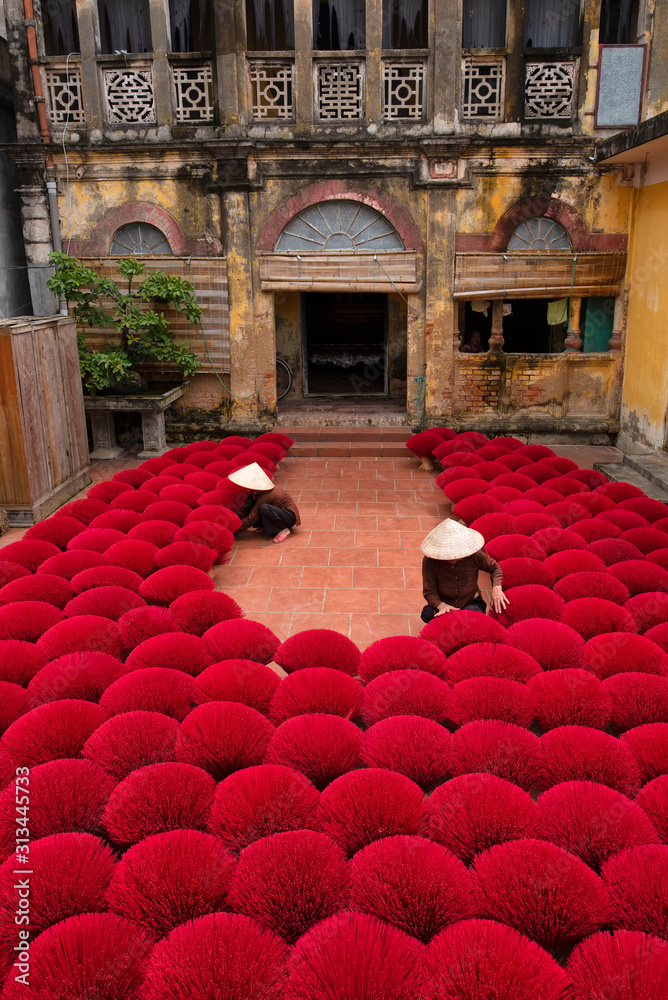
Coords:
pixel 345 344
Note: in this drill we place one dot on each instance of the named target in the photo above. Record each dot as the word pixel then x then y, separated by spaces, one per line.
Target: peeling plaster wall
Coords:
pixel 645 393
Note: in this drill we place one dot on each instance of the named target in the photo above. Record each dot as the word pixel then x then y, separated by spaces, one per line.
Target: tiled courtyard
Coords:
pixel 354 564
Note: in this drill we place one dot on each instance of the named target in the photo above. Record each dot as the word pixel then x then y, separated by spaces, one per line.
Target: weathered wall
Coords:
pixel 645 392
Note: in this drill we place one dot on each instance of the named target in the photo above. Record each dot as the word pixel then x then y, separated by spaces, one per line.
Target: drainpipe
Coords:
pixel 34 66
pixel 52 192
pixel 51 189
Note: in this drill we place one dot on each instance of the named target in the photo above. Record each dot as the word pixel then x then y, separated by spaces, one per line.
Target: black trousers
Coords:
pixel 477 604
pixel 275 519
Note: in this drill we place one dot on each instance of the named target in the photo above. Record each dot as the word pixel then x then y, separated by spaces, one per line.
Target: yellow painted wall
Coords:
pixel 645 392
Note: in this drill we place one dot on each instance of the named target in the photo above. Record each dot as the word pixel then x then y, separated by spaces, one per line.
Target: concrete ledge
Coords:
pixel 622 473
pixel 652 467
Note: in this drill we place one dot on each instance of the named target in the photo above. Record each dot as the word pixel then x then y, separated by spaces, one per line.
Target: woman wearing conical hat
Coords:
pixel 269 508
pixel 453 557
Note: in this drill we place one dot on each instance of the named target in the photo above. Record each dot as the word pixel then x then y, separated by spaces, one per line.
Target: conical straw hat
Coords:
pixel 251 477
pixel 451 540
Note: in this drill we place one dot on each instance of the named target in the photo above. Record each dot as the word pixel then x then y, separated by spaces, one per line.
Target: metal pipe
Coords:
pixel 34 66
pixel 52 192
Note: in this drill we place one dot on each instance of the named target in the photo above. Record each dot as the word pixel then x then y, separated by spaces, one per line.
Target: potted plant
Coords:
pixel 140 332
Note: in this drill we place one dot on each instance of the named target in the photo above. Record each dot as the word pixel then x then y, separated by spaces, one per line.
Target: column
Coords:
pixel 227 19
pixel 573 340
pixel 440 341
pixel 247 369
pixel 446 31
pixel 89 34
pixel 162 77
pixel 619 321
pixel 496 336
pixel 373 69
pixel 515 61
pixel 303 62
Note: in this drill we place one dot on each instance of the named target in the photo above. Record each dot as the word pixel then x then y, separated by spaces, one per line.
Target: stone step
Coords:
pixel 348 449
pixel 623 473
pixel 652 467
pixel 346 441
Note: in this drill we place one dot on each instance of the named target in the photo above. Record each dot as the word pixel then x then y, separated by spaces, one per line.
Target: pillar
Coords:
pixel 573 342
pixel 496 336
pixel 303 95
pixel 446 31
pixel 374 46
pixel 89 36
pixel 440 343
pixel 247 366
pixel 162 76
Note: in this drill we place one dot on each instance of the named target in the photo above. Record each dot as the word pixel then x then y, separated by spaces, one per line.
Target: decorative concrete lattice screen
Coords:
pixel 64 96
pixel 335 272
pixel 403 90
pixel 129 96
pixel 193 93
pixel 272 88
pixel 549 90
pixel 209 275
pixel 538 275
pixel 339 89
pixel 483 85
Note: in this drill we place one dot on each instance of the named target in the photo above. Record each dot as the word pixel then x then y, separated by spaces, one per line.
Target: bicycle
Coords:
pixel 283 378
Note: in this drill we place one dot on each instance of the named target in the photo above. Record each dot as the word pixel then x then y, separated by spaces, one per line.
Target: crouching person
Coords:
pixel 269 509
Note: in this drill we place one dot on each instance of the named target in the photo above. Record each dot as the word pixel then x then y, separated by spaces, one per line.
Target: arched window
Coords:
pixel 339 225
pixel 139 238
pixel 539 233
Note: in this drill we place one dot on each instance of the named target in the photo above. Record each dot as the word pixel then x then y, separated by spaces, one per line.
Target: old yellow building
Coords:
pixel 643 152
pixel 354 187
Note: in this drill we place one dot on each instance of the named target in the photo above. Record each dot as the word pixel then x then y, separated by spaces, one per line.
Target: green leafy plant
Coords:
pixel 141 333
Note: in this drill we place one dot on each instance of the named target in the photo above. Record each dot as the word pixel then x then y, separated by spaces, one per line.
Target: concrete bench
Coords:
pixel 151 405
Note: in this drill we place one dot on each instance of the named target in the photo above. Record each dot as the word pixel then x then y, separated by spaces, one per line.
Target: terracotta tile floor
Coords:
pixel 354 564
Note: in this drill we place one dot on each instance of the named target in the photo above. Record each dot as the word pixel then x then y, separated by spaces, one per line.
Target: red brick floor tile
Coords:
pixel 276 576
pixel 365 577
pixel 260 557
pixel 400 601
pixel 318 522
pixel 250 599
pixel 301 538
pixel 397 523
pixel 336 508
pixel 369 627
pixel 357 496
pixel 411 539
pixel 380 509
pixel 328 496
pixel 398 557
pixel 337 622
pixel 351 600
pixel 344 539
pixel 296 599
pixel 352 522
pixel 304 557
pixel 277 621
pixel 354 557
pixel 340 577
pixel 378 539
pixel 231 576
pixel 413 578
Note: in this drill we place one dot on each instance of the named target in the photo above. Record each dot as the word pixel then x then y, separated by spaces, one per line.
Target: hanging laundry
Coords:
pixel 557 312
